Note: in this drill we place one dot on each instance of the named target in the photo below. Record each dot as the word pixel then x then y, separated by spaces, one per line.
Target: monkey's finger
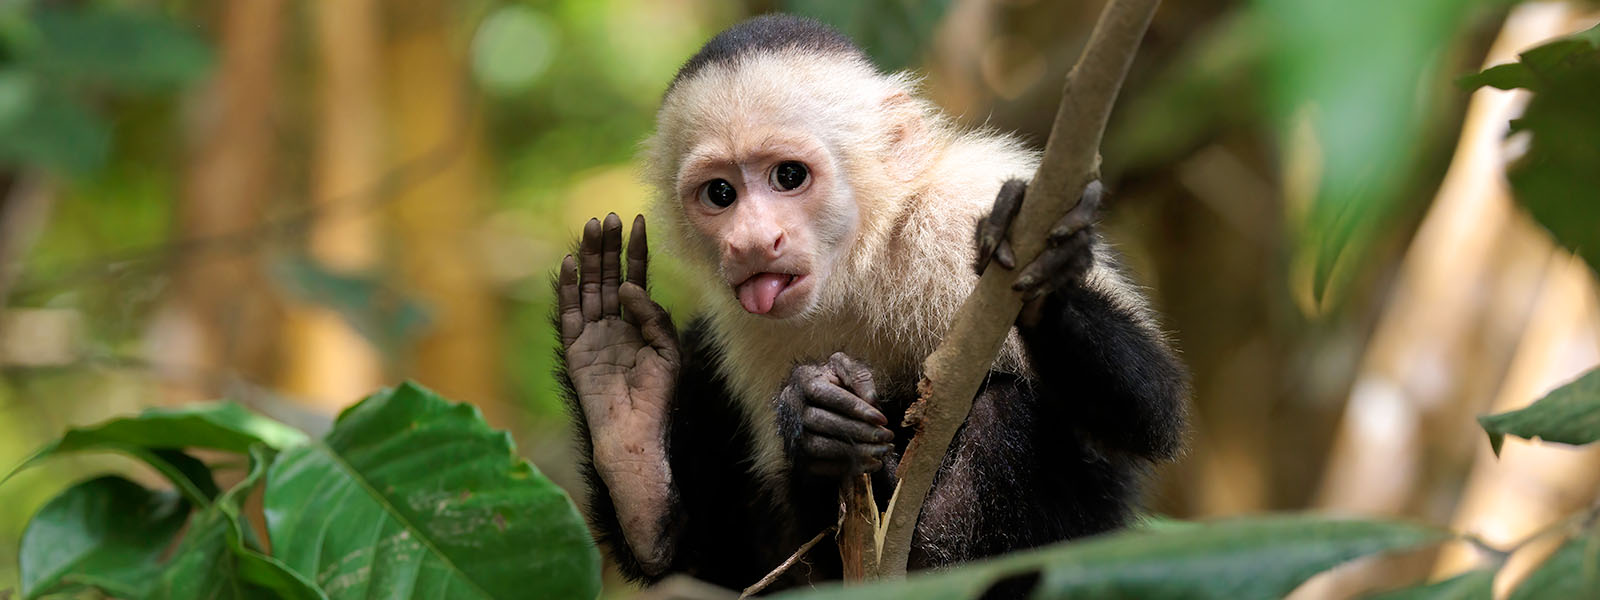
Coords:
pixel 654 324
pixel 837 399
pixel 1004 256
pixel 638 253
pixel 832 425
pixel 993 230
pixel 1056 266
pixel 589 259
pixel 571 308
pixel 1082 215
pixel 855 375
pixel 827 448
pixel 610 265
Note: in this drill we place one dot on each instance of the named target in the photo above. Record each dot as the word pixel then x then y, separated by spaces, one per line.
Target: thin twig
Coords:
pixel 782 568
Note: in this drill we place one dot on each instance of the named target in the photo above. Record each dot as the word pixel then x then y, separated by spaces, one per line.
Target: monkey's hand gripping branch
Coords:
pixel 955 370
pixel 622 354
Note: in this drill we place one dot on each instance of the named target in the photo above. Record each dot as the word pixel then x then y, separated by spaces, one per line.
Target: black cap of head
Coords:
pixel 774 32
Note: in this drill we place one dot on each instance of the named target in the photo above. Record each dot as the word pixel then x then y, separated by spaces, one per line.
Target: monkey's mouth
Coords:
pixel 759 292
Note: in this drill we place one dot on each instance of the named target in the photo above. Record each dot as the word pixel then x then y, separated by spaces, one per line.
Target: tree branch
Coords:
pixel 953 373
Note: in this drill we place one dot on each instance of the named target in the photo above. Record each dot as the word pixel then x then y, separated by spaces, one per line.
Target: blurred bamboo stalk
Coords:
pixel 325 359
pixel 435 219
pixel 213 319
pixel 1461 324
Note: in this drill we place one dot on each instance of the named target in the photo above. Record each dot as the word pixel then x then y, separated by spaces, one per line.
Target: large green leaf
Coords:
pixel 1472 585
pixel 411 495
pixel 154 436
pixel 1569 573
pixel 1558 178
pixel 216 560
pixel 1569 415
pixel 1263 557
pixel 106 533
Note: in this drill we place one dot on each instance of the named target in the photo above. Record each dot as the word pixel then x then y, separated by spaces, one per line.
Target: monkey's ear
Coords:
pixel 908 138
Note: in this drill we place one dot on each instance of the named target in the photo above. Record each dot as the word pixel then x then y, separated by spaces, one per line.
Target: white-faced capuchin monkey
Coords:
pixel 828 213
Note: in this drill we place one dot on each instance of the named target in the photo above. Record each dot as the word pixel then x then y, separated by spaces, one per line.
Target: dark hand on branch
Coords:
pixel 829 415
pixel 1068 252
pixel 622 355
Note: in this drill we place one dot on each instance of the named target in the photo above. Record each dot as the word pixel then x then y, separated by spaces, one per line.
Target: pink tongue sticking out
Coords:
pixel 757 293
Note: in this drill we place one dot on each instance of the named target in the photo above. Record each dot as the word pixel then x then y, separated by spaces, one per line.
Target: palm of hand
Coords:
pixel 621 381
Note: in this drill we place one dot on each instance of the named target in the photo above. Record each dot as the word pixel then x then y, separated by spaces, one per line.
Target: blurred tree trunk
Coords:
pixel 432 114
pixel 326 361
pixel 208 331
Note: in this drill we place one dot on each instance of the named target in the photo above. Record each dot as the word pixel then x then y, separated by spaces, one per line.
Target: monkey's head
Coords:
pixel 779 149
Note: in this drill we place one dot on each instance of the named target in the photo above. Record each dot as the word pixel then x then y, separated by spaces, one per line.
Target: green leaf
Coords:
pixel 413 495
pixel 1504 77
pixel 155 435
pixel 125 49
pixel 1570 415
pixel 1472 585
pixel 1262 557
pixel 105 533
pixel 1559 176
pixel 1350 88
pixel 1569 573
pixel 215 560
pixel 56 131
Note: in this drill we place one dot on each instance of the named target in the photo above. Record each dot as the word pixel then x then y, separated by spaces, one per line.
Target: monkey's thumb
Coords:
pixel 652 320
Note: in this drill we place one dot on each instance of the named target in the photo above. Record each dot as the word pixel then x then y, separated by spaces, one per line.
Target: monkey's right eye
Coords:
pixel 718 193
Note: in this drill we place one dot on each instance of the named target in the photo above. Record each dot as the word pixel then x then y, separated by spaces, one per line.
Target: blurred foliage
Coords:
pixel 56 62
pixel 1236 559
pixel 1351 87
pixel 1561 167
pixel 893 32
pixel 1572 572
pixel 384 316
pixel 1472 585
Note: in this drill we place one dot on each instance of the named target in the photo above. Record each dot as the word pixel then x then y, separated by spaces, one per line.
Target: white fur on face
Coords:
pixel 905 188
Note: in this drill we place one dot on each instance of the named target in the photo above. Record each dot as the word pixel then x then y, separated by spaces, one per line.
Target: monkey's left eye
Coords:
pixel 789 175
pixel 718 193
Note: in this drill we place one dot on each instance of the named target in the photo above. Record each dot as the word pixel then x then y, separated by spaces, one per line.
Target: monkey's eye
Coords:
pixel 789 175
pixel 718 193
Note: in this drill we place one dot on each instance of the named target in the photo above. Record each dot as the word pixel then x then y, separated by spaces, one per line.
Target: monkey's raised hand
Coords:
pixel 622 355
pixel 1069 248
pixel 830 420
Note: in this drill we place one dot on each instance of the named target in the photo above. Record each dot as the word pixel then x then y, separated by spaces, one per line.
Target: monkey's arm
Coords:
pixel 1103 367
pixel 719 521
pixel 1106 373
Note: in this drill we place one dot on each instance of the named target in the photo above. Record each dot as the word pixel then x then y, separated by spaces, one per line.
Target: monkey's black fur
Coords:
pixel 767 33
pixel 1038 461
